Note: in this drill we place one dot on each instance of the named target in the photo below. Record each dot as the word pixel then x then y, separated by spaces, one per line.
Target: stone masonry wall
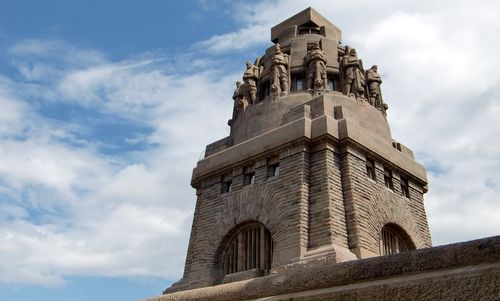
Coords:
pixel 326 205
pixel 321 197
pixel 370 205
pixel 280 203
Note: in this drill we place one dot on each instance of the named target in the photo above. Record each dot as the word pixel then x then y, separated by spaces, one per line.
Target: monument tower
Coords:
pixel 309 173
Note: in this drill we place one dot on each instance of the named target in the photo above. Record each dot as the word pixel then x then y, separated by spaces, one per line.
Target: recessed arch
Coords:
pixel 394 239
pixel 247 246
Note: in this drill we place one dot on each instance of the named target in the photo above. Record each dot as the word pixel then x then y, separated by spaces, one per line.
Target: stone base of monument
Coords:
pixel 462 271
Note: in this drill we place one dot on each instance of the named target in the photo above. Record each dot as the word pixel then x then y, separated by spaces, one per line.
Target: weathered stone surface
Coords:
pixel 308 15
pixel 463 271
pixel 353 76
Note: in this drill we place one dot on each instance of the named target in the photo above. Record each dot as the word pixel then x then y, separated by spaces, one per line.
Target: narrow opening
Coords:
pixel 337 113
pixel 331 84
pixel 273 170
pixel 388 179
pixel 299 84
pixel 370 169
pixel 396 145
pixel 405 190
pixel 273 167
pixel 263 90
pixel 248 176
pixel 226 184
pixel 309 28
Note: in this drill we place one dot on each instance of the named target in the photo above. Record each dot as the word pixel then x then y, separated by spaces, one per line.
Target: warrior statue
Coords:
pixel 250 78
pixel 354 78
pixel 373 79
pixel 239 102
pixel 279 71
pixel 316 68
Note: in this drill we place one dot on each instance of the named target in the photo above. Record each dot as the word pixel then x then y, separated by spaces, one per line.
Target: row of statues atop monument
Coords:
pixel 355 82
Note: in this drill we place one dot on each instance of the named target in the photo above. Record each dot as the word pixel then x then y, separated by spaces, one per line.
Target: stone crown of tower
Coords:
pixel 307 18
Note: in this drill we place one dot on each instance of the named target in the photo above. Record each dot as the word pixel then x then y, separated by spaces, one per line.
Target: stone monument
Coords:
pixel 310 180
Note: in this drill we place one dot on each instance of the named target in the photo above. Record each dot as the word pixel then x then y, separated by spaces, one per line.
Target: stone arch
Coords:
pixel 248 246
pixel 258 204
pixel 394 239
pixel 388 208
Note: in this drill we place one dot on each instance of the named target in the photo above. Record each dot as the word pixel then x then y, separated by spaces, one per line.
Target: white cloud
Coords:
pixel 11 115
pixel 49 164
pixel 256 19
pixel 56 50
pixel 74 211
pixel 443 101
pixel 241 39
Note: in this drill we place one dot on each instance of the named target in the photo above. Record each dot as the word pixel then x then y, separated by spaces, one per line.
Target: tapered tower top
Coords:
pixel 306 21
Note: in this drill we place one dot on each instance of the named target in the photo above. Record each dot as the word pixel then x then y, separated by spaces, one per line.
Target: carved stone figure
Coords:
pixel 279 71
pixel 239 102
pixel 316 68
pixel 384 107
pixel 373 79
pixel 237 92
pixel 250 78
pixel 354 78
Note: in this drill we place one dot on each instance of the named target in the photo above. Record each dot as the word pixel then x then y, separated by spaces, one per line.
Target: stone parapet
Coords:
pixel 315 119
pixel 462 271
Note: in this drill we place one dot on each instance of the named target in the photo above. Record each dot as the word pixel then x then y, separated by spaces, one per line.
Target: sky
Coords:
pixel 106 106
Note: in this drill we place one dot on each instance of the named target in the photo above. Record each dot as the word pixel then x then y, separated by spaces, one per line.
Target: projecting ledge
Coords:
pixel 280 136
pixel 348 130
pixel 323 126
pixel 462 271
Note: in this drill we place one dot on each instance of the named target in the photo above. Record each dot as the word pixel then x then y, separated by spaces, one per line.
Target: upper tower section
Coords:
pixel 305 22
pixel 307 62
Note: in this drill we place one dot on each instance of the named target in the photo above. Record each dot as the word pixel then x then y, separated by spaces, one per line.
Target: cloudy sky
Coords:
pixel 105 107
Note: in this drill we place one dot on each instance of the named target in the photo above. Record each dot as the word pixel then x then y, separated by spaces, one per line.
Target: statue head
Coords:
pixel 374 68
pixel 249 64
pixel 316 45
pixel 277 48
pixel 352 52
pixel 238 84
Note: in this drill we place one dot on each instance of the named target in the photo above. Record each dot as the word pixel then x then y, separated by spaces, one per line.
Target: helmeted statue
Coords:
pixel 354 78
pixel 250 78
pixel 316 68
pixel 279 71
pixel 373 79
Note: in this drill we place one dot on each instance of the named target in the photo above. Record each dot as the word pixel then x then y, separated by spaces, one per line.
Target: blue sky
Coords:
pixel 107 105
pixel 118 28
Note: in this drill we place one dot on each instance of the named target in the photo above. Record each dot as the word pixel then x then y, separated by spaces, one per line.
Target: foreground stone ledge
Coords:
pixel 462 271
